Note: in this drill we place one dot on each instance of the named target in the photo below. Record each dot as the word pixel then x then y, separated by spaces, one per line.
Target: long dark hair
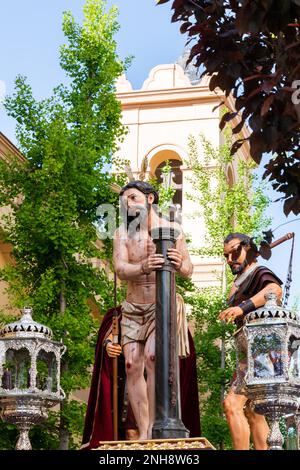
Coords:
pixel 246 241
pixel 142 186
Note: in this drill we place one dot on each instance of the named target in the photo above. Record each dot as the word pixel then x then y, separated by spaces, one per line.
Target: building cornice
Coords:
pixel 183 96
pixel 168 96
pixel 7 148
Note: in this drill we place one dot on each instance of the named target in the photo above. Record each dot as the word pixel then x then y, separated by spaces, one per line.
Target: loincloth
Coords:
pixel 138 322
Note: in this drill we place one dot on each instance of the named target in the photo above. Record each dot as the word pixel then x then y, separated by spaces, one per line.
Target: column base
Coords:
pixel 169 429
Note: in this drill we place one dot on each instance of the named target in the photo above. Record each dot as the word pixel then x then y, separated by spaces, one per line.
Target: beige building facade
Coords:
pixel 7 151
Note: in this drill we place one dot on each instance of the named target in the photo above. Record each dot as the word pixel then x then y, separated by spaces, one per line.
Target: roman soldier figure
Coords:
pixel 247 293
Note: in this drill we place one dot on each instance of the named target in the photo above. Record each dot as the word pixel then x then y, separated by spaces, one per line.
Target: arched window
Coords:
pixel 177 178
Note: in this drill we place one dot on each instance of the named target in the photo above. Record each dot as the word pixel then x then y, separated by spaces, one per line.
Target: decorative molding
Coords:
pixel 166 76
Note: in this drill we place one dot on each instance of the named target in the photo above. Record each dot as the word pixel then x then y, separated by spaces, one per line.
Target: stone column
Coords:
pixel 168 422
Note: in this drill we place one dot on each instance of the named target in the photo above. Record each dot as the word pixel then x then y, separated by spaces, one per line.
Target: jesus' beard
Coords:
pixel 137 218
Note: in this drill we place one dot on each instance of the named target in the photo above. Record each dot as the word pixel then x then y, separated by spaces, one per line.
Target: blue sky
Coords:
pixel 30 36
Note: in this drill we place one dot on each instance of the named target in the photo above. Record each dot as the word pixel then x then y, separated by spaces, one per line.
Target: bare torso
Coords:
pixel 142 289
pixel 131 252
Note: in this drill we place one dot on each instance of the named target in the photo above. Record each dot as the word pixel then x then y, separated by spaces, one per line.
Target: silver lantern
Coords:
pixel 269 343
pixel 29 374
pixel 297 426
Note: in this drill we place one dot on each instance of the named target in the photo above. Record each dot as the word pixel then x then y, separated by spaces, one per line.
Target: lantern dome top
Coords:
pixel 26 327
pixel 271 312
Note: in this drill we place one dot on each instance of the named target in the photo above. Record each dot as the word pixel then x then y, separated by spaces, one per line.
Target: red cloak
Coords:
pixel 99 421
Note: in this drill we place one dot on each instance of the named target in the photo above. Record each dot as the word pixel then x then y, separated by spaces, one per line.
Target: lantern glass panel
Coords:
pixel 241 349
pixel 16 369
pixel 46 371
pixel 267 351
pixel 294 356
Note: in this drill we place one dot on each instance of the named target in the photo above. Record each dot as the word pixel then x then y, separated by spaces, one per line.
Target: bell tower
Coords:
pixel 172 104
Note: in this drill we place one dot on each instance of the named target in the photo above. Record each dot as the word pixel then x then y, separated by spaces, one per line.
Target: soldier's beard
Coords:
pixel 240 268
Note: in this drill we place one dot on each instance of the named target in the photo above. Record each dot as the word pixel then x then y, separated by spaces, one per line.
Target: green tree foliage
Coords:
pixel 252 49
pixel 225 208
pixel 166 190
pixel 68 141
pixel 225 204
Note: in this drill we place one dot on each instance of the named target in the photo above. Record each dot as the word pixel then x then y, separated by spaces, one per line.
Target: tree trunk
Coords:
pixel 223 354
pixel 64 435
pixel 222 391
pixel 62 298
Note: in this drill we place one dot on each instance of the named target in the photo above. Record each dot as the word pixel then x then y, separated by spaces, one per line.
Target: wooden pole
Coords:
pixel 286 237
pixel 115 334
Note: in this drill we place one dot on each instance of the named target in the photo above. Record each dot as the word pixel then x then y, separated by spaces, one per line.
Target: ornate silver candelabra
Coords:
pixel 29 374
pixel 269 341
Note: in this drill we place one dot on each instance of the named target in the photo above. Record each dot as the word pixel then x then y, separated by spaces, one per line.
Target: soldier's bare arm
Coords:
pixel 231 313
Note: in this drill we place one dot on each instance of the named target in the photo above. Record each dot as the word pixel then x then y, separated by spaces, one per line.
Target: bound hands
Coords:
pixel 176 258
pixel 153 262
pixel 156 261
pixel 230 314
